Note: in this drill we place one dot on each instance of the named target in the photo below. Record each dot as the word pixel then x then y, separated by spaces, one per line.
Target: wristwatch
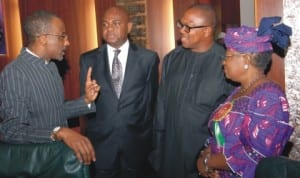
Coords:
pixel 53 135
pixel 89 105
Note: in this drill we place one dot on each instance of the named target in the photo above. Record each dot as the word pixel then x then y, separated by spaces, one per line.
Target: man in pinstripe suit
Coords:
pixel 32 102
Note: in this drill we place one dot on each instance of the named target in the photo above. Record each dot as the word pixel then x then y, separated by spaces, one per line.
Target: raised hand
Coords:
pixel 91 88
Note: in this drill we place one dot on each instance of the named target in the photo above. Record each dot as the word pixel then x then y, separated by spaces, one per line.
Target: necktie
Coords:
pixel 116 73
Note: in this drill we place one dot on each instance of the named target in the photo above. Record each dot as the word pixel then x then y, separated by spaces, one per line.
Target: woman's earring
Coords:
pixel 246 66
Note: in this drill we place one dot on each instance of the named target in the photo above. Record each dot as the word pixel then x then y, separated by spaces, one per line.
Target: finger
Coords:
pixel 87 151
pixel 85 155
pixel 212 173
pixel 89 75
pixel 97 89
pixel 94 82
pixel 80 151
pixel 78 155
pixel 91 150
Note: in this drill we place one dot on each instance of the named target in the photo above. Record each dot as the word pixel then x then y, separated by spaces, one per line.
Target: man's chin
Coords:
pixel 185 45
pixel 111 40
pixel 58 58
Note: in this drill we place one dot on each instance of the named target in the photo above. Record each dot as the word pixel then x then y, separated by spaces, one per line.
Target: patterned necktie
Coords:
pixel 116 73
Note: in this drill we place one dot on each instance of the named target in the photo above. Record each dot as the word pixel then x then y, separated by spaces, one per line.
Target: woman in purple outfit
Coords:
pixel 253 122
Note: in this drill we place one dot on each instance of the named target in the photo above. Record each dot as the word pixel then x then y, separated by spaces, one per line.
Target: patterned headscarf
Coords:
pixel 249 39
pixel 245 39
pixel 279 31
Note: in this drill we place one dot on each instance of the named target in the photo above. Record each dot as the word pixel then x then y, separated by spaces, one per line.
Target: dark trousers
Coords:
pixel 277 167
pixel 123 170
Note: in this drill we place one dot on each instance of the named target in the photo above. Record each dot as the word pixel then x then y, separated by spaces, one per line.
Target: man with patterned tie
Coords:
pixel 116 73
pixel 121 130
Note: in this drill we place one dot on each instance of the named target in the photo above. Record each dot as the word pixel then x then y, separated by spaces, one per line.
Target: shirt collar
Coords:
pixel 123 48
pixel 32 53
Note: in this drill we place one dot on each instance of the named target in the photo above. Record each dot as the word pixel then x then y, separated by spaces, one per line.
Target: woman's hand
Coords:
pixel 202 168
pixel 202 164
pixel 208 164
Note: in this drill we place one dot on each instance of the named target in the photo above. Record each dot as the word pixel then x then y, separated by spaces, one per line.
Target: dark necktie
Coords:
pixel 116 73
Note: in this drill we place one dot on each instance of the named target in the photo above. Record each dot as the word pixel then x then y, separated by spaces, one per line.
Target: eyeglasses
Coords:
pixel 62 37
pixel 232 55
pixel 187 28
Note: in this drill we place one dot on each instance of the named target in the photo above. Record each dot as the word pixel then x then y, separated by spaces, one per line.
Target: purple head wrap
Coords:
pixel 245 39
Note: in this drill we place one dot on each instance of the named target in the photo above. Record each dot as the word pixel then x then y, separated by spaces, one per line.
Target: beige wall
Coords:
pixel 247 12
pixel 291 17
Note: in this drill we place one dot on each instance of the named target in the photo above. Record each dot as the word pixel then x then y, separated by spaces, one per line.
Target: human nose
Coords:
pixel 67 42
pixel 182 30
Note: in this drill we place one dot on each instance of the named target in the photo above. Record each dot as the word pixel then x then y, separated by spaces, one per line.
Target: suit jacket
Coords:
pixel 123 124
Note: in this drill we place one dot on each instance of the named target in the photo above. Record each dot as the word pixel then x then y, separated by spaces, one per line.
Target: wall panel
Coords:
pixel 12 27
pixel 265 9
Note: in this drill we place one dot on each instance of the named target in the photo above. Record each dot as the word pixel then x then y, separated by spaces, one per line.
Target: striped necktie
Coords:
pixel 117 73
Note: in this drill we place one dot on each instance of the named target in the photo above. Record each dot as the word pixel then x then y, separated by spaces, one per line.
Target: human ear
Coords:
pixel 129 26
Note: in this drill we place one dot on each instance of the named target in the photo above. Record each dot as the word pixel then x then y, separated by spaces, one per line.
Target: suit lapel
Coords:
pixel 103 68
pixel 129 71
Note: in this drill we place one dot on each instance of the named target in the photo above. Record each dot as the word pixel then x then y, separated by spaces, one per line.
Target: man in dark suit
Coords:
pixel 121 130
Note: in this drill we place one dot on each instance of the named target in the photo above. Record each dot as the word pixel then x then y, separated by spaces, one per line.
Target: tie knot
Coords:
pixel 117 51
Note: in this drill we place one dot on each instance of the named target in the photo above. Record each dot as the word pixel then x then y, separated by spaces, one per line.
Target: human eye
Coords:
pixel 116 23
pixel 105 25
pixel 64 36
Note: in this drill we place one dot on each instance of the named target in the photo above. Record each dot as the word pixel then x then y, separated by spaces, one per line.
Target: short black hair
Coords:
pixel 38 23
pixel 209 12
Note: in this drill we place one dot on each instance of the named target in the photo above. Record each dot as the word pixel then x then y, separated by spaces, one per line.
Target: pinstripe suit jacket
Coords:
pixel 32 100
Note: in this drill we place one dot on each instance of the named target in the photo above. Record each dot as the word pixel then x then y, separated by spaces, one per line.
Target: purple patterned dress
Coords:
pixel 249 128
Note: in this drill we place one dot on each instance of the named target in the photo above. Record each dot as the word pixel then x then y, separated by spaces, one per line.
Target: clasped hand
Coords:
pixel 203 169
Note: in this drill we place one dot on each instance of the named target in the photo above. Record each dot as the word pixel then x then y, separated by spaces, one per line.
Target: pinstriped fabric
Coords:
pixel 32 100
